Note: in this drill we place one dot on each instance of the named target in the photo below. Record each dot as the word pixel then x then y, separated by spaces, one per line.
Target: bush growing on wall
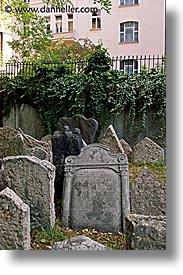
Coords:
pixel 97 92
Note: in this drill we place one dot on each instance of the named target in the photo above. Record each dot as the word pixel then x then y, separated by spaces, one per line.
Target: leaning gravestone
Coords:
pixel 32 180
pixel 14 142
pixel 111 141
pixel 79 243
pixel 148 195
pixel 96 190
pixel 14 222
pixel 145 232
pixel 147 151
pixel 87 126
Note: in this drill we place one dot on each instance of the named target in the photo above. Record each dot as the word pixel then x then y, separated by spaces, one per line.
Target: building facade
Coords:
pixel 134 27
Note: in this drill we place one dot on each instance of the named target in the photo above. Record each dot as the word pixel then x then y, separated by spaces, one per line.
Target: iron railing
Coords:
pixel 124 64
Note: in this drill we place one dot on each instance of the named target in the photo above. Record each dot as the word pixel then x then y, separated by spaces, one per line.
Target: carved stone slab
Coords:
pixel 14 222
pixel 96 190
pixel 147 151
pixel 87 126
pixel 111 141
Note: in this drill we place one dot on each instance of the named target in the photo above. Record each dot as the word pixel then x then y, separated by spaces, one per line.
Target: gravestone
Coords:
pixel 147 151
pixel 14 222
pixel 96 190
pixel 111 141
pixel 148 195
pixel 33 181
pixel 79 243
pixel 14 142
pixel 64 144
pixel 87 126
pixel 126 147
pixel 145 232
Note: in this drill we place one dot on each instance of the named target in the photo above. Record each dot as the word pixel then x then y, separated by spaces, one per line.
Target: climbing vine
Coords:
pixel 97 92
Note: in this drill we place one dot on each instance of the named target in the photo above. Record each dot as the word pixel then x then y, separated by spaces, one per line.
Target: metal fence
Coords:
pixel 124 64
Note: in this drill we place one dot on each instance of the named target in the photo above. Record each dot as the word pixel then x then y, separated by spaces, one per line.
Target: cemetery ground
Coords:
pixel 42 239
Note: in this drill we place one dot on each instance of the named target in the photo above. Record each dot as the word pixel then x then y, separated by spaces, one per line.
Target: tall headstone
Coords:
pixel 14 222
pixel 96 190
pixel 147 151
pixel 64 144
pixel 87 126
pixel 148 194
pixel 111 141
pixel 33 181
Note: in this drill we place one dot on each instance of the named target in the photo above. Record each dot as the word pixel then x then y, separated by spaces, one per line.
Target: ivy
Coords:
pixel 97 92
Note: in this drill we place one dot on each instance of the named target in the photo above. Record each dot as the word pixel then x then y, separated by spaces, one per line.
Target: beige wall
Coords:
pixel 7 37
pixel 149 14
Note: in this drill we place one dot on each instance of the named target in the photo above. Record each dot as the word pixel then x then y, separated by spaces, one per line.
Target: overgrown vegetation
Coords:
pixel 97 91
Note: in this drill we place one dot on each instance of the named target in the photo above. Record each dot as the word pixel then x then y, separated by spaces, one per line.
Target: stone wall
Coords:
pixel 28 119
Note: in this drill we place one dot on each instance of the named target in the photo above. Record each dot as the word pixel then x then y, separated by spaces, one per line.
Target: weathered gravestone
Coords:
pixel 14 222
pixel 111 141
pixel 147 151
pixel 32 180
pixel 64 144
pixel 87 126
pixel 148 194
pixel 96 190
pixel 126 147
pixel 79 243
pixel 14 142
pixel 145 232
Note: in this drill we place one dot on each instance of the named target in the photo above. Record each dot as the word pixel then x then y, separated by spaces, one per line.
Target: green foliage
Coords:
pixel 32 36
pixel 97 92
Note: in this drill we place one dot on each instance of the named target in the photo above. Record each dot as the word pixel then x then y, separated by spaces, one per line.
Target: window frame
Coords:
pixel 70 21
pixel 125 30
pixel 58 22
pixel 98 19
pixel 128 69
pixel 124 3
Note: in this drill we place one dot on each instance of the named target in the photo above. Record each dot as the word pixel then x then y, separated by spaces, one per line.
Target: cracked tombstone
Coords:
pixel 96 190
pixel 14 222
pixel 33 181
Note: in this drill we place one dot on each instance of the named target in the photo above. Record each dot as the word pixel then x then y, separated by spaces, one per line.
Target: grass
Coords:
pixel 45 239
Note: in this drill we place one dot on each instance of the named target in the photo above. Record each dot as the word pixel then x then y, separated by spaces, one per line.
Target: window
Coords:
pixel 26 1
pixel 48 22
pixel 96 20
pixel 70 22
pixel 58 23
pixel 129 66
pixel 129 32
pixel 128 2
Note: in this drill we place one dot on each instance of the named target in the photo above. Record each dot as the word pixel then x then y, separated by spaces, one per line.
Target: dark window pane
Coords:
pixel 121 2
pixel 129 2
pixel 98 23
pixel 129 24
pixel 122 27
pixel 129 35
pixel 136 37
pixel 136 26
pixel 121 37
